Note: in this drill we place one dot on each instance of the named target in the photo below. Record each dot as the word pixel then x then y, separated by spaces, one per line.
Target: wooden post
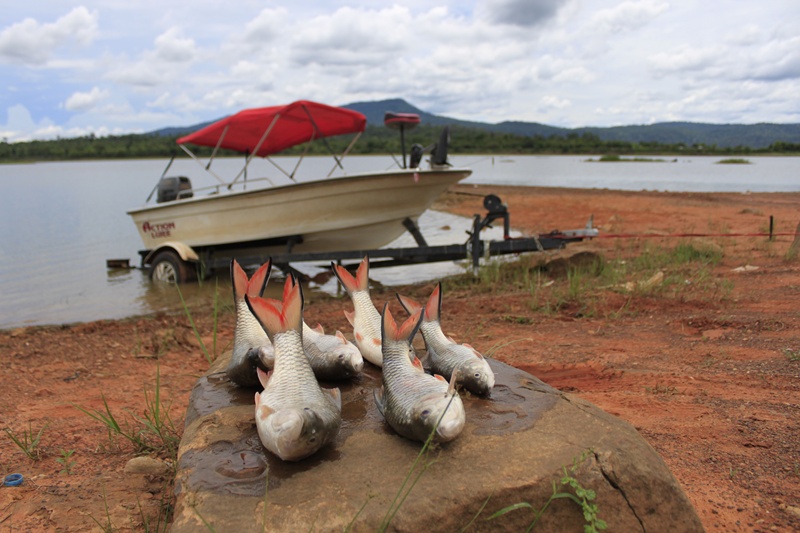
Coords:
pixel 771 228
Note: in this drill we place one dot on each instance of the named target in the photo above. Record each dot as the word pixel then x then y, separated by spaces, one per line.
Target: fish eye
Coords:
pixel 313 439
pixel 425 413
pixel 477 374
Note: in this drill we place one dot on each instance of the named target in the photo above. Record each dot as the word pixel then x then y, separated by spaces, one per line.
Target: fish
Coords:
pixel 415 404
pixel 251 346
pixel 445 356
pixel 365 319
pixel 295 417
pixel 332 357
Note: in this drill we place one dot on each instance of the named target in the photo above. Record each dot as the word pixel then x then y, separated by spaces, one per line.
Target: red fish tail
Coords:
pixel 238 280
pixel 362 274
pixel 433 308
pixel 408 304
pixel 390 330
pixel 267 312
pixel 292 313
pixel 258 282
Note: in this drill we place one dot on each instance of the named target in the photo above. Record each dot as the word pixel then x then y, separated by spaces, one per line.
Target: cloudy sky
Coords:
pixel 122 66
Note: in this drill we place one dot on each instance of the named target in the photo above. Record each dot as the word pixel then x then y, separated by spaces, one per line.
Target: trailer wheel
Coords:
pixel 168 267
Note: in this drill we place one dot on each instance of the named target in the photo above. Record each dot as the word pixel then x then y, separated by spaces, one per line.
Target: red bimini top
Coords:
pixel 288 125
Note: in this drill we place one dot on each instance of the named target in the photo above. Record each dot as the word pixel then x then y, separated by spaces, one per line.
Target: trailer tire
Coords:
pixel 168 267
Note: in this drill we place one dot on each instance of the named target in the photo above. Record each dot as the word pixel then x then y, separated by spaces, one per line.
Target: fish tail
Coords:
pixel 433 309
pixel 238 280
pixel 267 312
pixel 408 304
pixel 362 274
pixel 257 284
pixel 345 278
pixel 392 332
pixel 292 312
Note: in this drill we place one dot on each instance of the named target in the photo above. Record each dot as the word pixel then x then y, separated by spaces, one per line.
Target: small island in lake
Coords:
pixel 612 158
pixel 734 161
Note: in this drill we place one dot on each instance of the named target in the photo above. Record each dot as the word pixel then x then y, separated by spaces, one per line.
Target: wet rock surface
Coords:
pixel 515 444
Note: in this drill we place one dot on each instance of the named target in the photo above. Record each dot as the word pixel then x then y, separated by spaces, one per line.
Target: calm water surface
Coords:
pixel 59 222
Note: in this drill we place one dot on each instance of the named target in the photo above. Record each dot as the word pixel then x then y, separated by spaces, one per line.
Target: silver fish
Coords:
pixel 415 404
pixel 445 356
pixel 332 357
pixel 251 346
pixel 294 416
pixel 365 319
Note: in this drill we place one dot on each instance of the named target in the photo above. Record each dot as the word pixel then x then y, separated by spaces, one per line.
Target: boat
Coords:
pixel 185 227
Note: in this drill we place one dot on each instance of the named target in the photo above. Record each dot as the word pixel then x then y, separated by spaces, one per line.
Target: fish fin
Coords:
pixel 433 308
pixel 263 377
pixel 376 342
pixel 362 275
pixel 408 304
pixel 451 339
pixel 440 378
pixel 339 335
pixel 263 411
pixel 336 396
pixel 238 280
pixel 476 352
pixel 319 329
pixel 406 331
pixel 416 363
pixel 351 317
pixel 267 312
pixel 452 387
pixel 359 337
pixel 257 284
pixel 345 278
pixel 377 393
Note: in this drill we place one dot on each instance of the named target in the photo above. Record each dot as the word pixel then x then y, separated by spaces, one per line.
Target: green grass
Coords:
pixel 613 158
pixel 27 441
pixel 153 432
pixel 734 161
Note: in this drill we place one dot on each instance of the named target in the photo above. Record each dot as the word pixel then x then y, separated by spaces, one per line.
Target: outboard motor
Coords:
pixel 415 157
pixel 402 122
pixel 173 187
pixel 439 152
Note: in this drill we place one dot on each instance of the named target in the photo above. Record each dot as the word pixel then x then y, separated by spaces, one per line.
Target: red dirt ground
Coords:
pixel 705 364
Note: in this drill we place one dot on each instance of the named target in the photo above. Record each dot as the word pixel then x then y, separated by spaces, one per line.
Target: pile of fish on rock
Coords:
pixel 295 417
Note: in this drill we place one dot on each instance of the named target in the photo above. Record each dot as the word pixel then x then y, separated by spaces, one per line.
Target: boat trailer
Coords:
pixel 472 250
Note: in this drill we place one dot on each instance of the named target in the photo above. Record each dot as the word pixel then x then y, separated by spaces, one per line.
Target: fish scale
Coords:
pixel 292 381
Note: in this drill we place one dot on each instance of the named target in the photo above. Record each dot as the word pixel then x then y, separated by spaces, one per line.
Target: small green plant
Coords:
pixel 66 461
pixel 574 491
pixel 732 473
pixel 792 355
pixel 28 442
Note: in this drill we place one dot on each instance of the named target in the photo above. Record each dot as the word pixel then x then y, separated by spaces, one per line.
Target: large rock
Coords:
pixel 514 446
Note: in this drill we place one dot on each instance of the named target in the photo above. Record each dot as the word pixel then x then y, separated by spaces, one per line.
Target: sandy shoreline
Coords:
pixel 706 370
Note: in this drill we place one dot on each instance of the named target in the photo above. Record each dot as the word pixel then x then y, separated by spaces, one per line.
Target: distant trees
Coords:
pixel 375 140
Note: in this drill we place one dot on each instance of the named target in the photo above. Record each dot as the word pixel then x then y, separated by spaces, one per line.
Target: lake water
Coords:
pixel 60 221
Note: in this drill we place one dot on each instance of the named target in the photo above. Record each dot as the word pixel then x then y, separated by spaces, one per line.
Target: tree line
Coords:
pixel 375 140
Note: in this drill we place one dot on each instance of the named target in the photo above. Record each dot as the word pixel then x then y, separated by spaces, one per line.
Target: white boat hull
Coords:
pixel 360 211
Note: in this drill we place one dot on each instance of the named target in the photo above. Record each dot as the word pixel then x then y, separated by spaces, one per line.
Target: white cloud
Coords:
pixel 85 101
pixel 629 15
pixel 32 43
pixel 524 13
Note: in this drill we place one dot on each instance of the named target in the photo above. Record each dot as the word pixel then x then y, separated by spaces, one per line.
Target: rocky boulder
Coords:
pixel 515 445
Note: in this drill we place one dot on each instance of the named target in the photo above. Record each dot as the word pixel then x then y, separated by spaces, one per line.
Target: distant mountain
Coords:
pixel 689 133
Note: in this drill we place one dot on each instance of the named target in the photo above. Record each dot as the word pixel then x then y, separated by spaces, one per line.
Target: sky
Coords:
pixel 109 67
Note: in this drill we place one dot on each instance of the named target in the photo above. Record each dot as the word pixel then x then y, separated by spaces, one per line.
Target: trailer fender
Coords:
pixel 183 250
